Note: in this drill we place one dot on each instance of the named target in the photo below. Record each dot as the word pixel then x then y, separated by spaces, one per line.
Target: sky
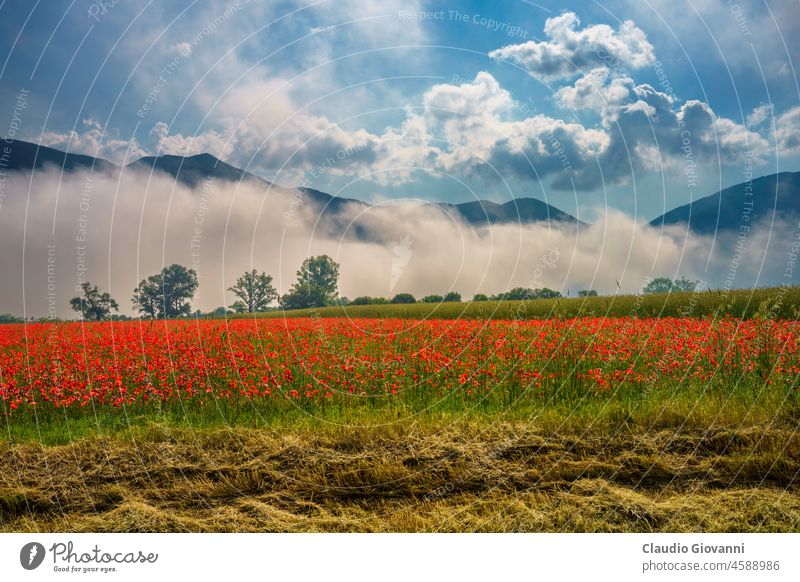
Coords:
pixel 630 107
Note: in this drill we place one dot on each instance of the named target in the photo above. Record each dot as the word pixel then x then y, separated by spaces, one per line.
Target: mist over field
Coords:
pixel 58 230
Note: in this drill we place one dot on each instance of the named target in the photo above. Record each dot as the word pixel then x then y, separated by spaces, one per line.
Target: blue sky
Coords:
pixel 636 106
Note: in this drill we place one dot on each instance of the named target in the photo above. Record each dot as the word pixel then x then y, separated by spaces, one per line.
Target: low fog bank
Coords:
pixel 57 230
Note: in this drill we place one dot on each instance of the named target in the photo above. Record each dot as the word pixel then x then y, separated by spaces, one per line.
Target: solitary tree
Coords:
pixel 587 293
pixel 316 284
pixel 93 305
pixel 480 297
pixel 254 291
pixel 453 297
pixel 167 294
pixel 404 298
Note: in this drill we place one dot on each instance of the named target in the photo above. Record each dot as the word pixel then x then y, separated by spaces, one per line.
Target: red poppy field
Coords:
pixel 312 424
pixel 314 363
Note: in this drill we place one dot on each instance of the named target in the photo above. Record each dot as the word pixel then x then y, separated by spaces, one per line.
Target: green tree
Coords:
pixel 254 292
pixel 404 298
pixel 658 285
pixel 518 294
pixel 432 299
pixel 587 293
pixel 667 285
pixel 684 284
pixel 480 297
pixel 93 305
pixel 367 300
pixel 316 285
pixel 167 294
pixel 453 297
pixel 546 293
pixel 145 296
pixel 9 318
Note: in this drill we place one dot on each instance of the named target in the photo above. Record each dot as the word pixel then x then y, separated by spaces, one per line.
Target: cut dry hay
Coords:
pixel 470 477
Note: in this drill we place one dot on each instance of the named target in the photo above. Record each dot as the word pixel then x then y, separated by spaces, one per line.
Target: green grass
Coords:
pixel 775 302
pixel 691 406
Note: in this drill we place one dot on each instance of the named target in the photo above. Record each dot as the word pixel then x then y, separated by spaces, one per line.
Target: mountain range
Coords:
pixel 767 197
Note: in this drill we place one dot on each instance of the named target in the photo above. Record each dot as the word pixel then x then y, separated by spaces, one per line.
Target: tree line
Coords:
pixel 515 294
pixel 168 294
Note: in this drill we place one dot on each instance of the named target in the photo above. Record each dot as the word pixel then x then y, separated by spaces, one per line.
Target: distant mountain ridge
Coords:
pixel 24 155
pixel 722 211
pixel 740 205
pixel 486 212
pixel 193 170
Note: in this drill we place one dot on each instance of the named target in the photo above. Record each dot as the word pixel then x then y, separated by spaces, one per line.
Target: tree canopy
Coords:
pixel 167 294
pixel 667 285
pixel 526 294
pixel 316 286
pixel 254 292
pixel 404 298
pixel 93 305
pixel 432 299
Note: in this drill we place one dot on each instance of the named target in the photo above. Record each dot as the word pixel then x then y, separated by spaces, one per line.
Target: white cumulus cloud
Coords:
pixel 570 50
